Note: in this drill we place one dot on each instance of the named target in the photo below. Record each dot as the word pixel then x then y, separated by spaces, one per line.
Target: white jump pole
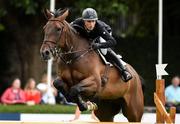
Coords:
pixel 49 71
pixel 52 5
pixel 49 65
pixel 160 38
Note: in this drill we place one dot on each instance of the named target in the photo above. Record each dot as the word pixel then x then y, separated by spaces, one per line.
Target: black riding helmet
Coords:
pixel 89 14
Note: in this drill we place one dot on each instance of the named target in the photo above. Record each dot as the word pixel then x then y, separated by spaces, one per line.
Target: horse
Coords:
pixel 82 75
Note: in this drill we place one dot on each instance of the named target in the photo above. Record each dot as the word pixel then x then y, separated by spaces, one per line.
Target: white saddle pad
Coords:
pixel 106 62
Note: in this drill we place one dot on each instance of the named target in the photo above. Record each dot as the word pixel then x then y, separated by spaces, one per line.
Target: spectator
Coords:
pixel 172 93
pixel 33 96
pixel 48 91
pixel 14 94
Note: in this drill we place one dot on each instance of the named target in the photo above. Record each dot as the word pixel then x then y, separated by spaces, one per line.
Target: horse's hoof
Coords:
pixel 91 106
pixel 83 107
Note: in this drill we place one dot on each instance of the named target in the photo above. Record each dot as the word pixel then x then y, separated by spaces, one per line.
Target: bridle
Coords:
pixel 68 57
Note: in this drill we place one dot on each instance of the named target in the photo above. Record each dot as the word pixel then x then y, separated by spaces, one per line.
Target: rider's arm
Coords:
pixel 110 41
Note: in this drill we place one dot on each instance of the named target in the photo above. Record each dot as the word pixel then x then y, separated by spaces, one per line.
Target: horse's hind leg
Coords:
pixel 107 109
pixel 133 107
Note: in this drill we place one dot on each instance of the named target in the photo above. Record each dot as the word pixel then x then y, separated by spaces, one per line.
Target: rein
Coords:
pixel 74 58
pixel 78 54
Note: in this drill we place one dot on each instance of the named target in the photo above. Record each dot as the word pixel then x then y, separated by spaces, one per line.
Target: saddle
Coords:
pixel 106 62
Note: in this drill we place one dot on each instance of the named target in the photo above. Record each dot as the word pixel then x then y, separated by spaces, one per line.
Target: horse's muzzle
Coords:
pixel 46 54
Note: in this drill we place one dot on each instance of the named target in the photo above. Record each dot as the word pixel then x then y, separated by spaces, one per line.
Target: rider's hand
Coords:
pixel 95 46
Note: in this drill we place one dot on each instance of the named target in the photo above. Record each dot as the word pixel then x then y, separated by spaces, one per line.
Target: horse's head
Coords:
pixel 53 31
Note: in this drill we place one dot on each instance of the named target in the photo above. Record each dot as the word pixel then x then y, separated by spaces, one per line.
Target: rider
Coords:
pixel 90 27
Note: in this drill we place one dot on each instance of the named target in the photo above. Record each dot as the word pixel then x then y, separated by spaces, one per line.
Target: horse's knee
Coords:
pixel 58 84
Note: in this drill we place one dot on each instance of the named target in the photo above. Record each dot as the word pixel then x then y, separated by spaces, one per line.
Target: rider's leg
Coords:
pixel 126 76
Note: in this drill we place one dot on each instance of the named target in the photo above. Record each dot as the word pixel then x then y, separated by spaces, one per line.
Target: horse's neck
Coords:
pixel 77 42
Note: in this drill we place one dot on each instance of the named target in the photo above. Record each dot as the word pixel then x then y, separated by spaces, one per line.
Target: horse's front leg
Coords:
pixel 63 88
pixel 86 88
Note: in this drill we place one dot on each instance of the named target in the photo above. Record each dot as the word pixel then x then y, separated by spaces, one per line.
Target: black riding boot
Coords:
pixel 126 76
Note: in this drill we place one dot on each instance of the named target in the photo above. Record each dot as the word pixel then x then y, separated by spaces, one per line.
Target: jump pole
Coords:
pixel 50 61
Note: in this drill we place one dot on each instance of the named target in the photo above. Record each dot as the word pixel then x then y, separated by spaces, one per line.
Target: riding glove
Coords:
pixel 96 45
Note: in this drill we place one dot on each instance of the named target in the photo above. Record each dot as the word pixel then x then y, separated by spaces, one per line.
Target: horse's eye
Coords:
pixel 58 29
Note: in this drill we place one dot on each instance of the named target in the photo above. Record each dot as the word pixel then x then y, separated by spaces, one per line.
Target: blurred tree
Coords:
pixel 21 30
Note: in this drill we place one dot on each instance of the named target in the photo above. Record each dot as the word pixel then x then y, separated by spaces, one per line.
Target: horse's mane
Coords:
pixel 59 12
pixel 72 29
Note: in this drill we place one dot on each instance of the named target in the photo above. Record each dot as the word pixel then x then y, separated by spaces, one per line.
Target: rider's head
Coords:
pixel 89 15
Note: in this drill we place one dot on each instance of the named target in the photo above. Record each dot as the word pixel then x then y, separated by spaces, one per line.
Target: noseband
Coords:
pixel 71 55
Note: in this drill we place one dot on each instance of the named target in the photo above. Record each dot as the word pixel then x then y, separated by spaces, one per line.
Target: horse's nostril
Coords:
pixel 47 52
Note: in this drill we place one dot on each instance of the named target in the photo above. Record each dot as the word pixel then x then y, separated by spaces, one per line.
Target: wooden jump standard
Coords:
pixel 159 99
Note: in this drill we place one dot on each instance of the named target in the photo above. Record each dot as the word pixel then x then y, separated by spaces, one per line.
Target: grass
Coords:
pixel 55 109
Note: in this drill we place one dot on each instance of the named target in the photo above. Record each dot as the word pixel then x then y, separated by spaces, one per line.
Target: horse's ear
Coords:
pixel 47 14
pixel 65 13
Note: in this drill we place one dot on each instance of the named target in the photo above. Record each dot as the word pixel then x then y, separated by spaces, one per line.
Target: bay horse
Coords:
pixel 83 76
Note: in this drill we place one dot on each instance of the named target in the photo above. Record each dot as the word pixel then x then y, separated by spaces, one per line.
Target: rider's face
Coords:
pixel 89 24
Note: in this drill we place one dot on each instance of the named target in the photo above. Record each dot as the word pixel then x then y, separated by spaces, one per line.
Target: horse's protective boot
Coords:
pixel 126 76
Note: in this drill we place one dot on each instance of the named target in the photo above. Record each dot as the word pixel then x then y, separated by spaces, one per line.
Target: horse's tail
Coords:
pixel 142 83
